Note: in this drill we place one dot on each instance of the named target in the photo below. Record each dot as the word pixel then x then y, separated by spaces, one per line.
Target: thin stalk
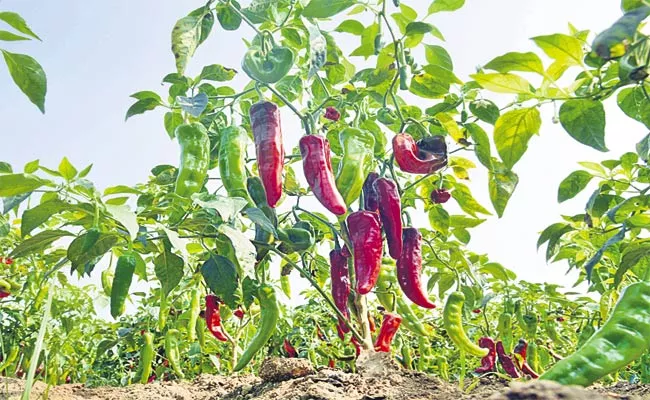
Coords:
pixel 33 363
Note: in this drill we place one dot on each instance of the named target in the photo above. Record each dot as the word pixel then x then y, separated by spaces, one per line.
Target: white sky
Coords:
pixel 95 54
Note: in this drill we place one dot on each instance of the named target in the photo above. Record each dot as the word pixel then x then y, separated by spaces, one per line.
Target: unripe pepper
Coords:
pixel 387 332
pixel 233 141
pixel 265 123
pixel 410 159
pixel 122 282
pixel 390 213
pixel 370 200
pixel 146 357
pixel 409 268
pixel 172 353
pixel 365 233
pixel 358 152
pixel 488 363
pixel 340 284
pixel 195 158
pixel 504 330
pixel 395 302
pixel 453 322
pixel 317 166
pixel 213 318
pixel 195 310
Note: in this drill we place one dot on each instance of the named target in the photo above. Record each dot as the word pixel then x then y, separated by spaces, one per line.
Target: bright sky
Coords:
pixel 96 54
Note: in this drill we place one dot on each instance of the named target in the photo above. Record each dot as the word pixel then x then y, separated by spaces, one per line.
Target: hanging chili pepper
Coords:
pixel 440 196
pixel 387 332
pixel 233 141
pixel 239 313
pixel 268 320
pixel 265 123
pixel 390 212
pixel 172 353
pixel 533 358
pixel 488 363
pixel 370 200
pixel 195 310
pixel 453 322
pixel 520 350
pixel 331 363
pixel 195 158
pixel 409 268
pixel 267 65
pixel 213 318
pixel 365 235
pixel 506 362
pixel 146 357
pixel 504 330
pixel 410 321
pixel 288 347
pixel 332 114
pixel 407 358
pixel 317 166
pixel 411 160
pixel 121 283
pixel 340 284
pixel 358 152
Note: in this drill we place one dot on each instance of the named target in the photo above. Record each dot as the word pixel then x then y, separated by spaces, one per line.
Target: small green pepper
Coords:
pixel 195 158
pixel 146 357
pixel 172 353
pixel 391 299
pixel 232 161
pixel 121 283
pixel 267 66
pixel 195 310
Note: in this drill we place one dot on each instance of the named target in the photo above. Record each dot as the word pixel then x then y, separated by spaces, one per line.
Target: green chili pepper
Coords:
pixel 268 320
pixel 622 339
pixel 386 116
pixel 201 327
pixel 285 284
pixel 172 353
pixel 388 293
pixel 531 322
pixel 121 283
pixel 452 317
pixel 195 310
pixel 443 367
pixel 533 357
pixel 195 158
pixel 356 163
pixel 407 359
pixel 295 240
pixel 504 331
pixel 267 66
pixel 107 279
pixel 232 161
pixel 552 333
pixel 9 358
pixel 423 348
pixel 146 357
pixel 162 311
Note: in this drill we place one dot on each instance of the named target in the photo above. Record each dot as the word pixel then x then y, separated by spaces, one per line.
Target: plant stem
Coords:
pixel 38 346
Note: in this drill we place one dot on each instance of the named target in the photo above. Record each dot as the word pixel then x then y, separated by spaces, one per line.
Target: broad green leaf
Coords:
pixel 635 104
pixel 194 105
pixel 445 5
pixel 485 110
pixel 450 125
pixel 244 250
pixel 639 221
pixel 524 62
pixel 573 184
pixel 597 168
pixel 227 207
pixel 11 37
pixel 481 144
pixel 35 216
pixel 502 184
pixel 326 8
pixel 259 218
pixel 18 23
pixel 221 277
pixel 633 205
pixel 9 203
pixel 634 253
pixel 418 28
pixel 595 259
pixel 185 39
pixel 367 47
pixel 503 83
pixel 81 252
pixel 497 271
pixel 216 72
pixel 169 270
pixel 172 120
pixel 5 168
pixel 552 235
pixel 437 55
pixel 67 170
pixel 512 132
pixel 643 148
pixel 428 86
pixel 228 18
pixel 350 26
pixel 439 219
pixel 466 201
pixel 15 184
pixel 126 217
pixel 584 120
pixel 463 221
pixel 119 189
pixel 38 243
pixel 563 48
pixel 141 106
pixel 29 76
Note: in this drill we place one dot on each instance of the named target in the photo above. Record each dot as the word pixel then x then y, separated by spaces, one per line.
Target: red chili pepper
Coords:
pixel 409 268
pixel 476 311
pixel 340 330
pixel 365 234
pixel 506 361
pixel 390 211
pixel 340 284
pixel 152 378
pixel 371 323
pixel 4 294
pixel 239 313
pixel 440 196
pixel 9 261
pixel 320 334
pixel 213 318
pixel 68 379
pixel 370 200
pixel 435 145
pixel 332 114
pixel 488 363
pixel 387 332
pixel 317 166
pixel 331 363
pixel 288 347
pixel 521 348
pixel 410 159
pixel 345 251
pixel 357 345
pixel 267 131
pixel 560 319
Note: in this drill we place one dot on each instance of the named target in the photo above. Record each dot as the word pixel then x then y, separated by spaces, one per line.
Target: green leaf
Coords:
pixel 31 167
pixel 524 62
pixel 229 19
pixel 466 201
pixel 244 250
pixel 9 203
pixel 573 184
pixel 169 270
pixel 5 168
pixel 29 76
pixel 172 120
pixel 126 217
pixel 497 271
pixel 463 221
pixel 227 207
pixel 502 184
pixel 38 243
pixel 584 120
pixel 485 110
pixel 563 48
pixel 629 5
pixel 512 132
pixel 18 23
pixel 635 104
pixel 15 184
pixel 185 39
pixel 141 106
pixel 88 248
pixel 439 219
pixel 634 253
pixel 11 37
pixel 221 277
pixel 428 86
pixel 552 235
pixel 67 170
pixel 367 47
pixel 437 55
pixel 259 218
pixel 326 8
pixel 643 148
pixel 350 26
pixel 503 83
pixel 34 217
pixel 216 72
pixel 445 5
pixel 418 28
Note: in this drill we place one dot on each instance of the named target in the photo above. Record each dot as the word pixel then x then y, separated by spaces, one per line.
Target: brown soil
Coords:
pixel 297 382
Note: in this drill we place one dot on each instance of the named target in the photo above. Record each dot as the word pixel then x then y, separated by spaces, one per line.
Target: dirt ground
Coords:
pixel 296 381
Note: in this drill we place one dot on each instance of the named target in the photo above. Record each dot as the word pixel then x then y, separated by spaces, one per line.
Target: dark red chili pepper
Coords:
pixel 340 330
pixel 387 332
pixel 288 347
pixel 435 145
pixel 68 379
pixel 332 114
pixel 239 313
pixel 476 311
pixel 365 233
pixel 320 334
pixel 331 363
pixel 440 196
pixel 409 267
pixel 340 284
pixel 317 166
pixel 345 251
pixel 506 361
pixel 560 319
pixel 9 261
pixel 4 294
pixel 410 159
pixel 152 378
pixel 357 345
pixel 390 211
pixel 265 123
pixel 521 350
pixel 213 318
pixel 488 363
pixel 370 201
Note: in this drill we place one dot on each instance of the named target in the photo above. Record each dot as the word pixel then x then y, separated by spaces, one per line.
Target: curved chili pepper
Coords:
pixel 488 363
pixel 265 123
pixel 357 345
pixel 504 330
pixel 506 362
pixel 358 153
pixel 195 310
pixel 390 212
pixel 409 267
pixel 365 234
pixel 172 352
pixel 387 332
pixel 146 357
pixel 411 160
pixel 371 323
pixel 317 166
pixel 440 196
pixel 452 318
pixel 533 358
pixel 288 347
pixel 340 284
pixel 124 271
pixel 213 318
pixel 370 201
pixel 233 141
